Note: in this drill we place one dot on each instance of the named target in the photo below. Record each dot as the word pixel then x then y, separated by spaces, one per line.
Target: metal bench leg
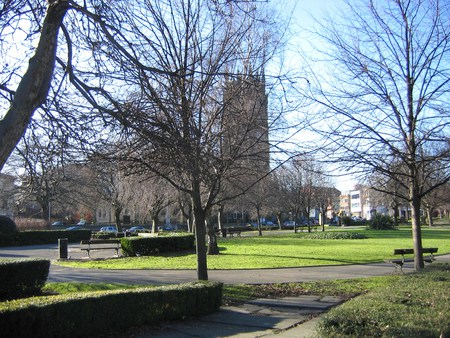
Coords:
pixel 397 265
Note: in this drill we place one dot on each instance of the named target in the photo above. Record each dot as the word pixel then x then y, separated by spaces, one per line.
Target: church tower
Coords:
pixel 245 123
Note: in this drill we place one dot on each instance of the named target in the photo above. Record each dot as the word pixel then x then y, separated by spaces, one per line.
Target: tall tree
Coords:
pixel 180 122
pixel 385 95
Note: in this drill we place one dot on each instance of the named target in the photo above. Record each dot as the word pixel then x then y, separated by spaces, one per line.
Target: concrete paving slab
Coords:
pixel 307 329
pixel 269 318
pixel 274 320
pixel 202 329
pixel 300 302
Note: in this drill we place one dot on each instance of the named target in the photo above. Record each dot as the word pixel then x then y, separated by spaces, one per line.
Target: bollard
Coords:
pixel 63 250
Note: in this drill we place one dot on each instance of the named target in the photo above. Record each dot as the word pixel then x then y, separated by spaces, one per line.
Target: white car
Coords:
pixel 108 229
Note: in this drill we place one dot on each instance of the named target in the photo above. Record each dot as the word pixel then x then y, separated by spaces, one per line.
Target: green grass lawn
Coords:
pixel 285 250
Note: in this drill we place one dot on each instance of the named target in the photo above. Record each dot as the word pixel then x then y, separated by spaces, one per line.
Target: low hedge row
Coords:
pixel 107 312
pixel 38 237
pixel 146 246
pixel 335 235
pixel 22 278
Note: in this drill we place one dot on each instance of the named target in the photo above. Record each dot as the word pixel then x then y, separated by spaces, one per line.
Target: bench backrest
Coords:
pixel 403 251
pixel 411 251
pixel 99 241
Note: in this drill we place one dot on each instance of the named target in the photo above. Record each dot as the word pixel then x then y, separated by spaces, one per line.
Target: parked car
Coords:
pixel 167 227
pixel 59 224
pixel 136 228
pixel 289 223
pixel 75 227
pixel 108 229
pixel 83 223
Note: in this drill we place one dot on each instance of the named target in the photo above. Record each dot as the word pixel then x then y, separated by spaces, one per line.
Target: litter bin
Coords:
pixel 63 250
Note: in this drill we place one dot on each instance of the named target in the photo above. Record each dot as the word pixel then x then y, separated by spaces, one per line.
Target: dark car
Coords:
pixel 75 227
pixel 136 228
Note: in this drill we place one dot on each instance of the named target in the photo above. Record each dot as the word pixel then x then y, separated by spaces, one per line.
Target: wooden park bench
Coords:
pixel 407 252
pixel 232 231
pixel 100 244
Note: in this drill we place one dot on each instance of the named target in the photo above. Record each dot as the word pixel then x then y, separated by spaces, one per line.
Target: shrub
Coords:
pixel 22 278
pixel 346 220
pixel 335 235
pixel 97 313
pixel 145 246
pixel 7 225
pixel 381 222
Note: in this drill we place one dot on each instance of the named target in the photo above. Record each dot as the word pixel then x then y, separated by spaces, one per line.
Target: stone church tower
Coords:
pixel 245 123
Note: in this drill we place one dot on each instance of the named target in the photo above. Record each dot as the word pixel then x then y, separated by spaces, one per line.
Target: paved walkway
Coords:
pixel 286 317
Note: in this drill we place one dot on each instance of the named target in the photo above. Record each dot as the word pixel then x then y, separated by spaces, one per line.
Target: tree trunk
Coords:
pixel 33 89
pixel 154 225
pixel 213 248
pixel 200 235
pixel 279 221
pixel 430 217
pixel 46 212
pixel 117 212
pixel 416 232
pixel 258 215
pixel 395 207
pixel 219 217
pixel 199 214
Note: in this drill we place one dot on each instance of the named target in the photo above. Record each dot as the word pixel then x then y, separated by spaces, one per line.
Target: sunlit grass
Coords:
pixel 285 250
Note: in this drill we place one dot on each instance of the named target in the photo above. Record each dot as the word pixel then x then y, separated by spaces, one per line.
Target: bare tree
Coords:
pixel 386 95
pixel 291 180
pixel 180 123
pixel 44 179
pixel 113 187
pixel 393 199
pixel 257 198
pixel 278 195
pixel 151 197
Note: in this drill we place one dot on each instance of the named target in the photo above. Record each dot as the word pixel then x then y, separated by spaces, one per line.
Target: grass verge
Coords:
pixel 284 250
pixel 414 305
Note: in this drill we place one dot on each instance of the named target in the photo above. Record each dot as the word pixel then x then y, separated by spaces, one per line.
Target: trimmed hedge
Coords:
pixel 22 278
pixel 107 312
pixel 37 237
pixel 146 246
pixel 335 235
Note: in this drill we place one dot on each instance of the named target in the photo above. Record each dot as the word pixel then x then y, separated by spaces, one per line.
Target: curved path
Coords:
pixel 255 276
